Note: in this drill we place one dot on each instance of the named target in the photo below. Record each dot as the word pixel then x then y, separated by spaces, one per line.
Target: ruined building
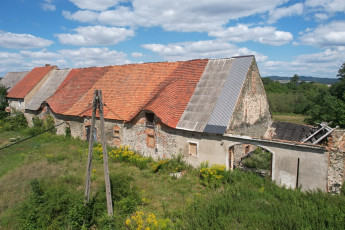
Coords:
pixel 205 110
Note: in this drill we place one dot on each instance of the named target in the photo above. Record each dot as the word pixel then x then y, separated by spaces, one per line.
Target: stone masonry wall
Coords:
pixel 336 162
pixel 251 116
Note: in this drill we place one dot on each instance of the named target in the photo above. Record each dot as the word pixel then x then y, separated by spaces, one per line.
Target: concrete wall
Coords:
pixel 251 116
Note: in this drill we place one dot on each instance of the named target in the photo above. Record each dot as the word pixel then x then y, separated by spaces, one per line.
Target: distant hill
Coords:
pixel 326 81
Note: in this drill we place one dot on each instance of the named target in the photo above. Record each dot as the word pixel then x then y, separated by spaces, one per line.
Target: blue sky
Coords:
pixel 287 37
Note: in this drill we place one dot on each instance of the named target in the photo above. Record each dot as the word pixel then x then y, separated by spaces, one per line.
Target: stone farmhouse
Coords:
pixel 212 110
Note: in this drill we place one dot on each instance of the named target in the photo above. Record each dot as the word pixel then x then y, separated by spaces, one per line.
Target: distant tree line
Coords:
pixel 317 101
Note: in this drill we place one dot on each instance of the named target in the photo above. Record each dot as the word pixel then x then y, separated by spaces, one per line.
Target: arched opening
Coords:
pixel 249 157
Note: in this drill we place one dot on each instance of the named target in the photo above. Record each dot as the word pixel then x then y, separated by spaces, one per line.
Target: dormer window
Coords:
pixel 149 119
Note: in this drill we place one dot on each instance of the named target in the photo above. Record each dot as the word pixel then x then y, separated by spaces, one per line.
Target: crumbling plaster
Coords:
pixel 251 116
pixel 336 170
pixel 313 160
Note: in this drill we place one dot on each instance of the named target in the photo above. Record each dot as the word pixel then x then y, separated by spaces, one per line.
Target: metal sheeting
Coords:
pixel 47 89
pixel 228 97
pixel 202 102
pixel 12 78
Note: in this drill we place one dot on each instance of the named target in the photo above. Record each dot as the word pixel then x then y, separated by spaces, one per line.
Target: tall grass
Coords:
pixel 250 202
pixel 202 199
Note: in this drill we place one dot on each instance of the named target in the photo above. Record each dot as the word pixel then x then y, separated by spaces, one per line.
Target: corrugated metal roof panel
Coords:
pixel 12 78
pixel 230 92
pixel 201 104
pixel 48 88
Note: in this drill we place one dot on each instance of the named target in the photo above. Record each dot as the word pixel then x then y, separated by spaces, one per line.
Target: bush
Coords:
pixel 124 154
pixel 251 202
pixel 260 159
pixel 213 176
pixel 175 164
pixel 3 102
pixel 15 122
pixel 68 131
pixel 49 123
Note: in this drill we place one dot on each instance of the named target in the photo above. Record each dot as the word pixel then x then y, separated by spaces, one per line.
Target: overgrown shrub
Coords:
pixel 140 221
pixel 213 176
pixel 125 154
pixel 40 125
pixel 48 208
pixel 251 202
pixel 173 165
pixel 259 159
pixel 49 123
pixel 68 131
pixel 15 122
pixel 3 102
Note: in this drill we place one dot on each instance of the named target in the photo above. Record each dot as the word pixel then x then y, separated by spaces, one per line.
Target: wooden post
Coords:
pixel 89 159
pixel 105 156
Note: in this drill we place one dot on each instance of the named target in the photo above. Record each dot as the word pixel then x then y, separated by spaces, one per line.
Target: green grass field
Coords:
pixel 42 186
pixel 289 117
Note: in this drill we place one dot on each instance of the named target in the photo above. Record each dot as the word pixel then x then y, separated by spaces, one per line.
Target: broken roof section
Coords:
pixel 163 88
pixel 300 133
pixel 289 131
pixel 12 78
pixel 48 88
pixel 24 87
pixel 75 85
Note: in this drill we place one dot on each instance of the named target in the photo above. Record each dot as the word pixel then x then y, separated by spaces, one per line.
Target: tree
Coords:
pixel 338 89
pixel 3 101
pixel 341 72
pixel 295 79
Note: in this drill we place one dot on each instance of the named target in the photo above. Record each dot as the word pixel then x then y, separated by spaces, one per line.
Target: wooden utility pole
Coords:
pixel 98 103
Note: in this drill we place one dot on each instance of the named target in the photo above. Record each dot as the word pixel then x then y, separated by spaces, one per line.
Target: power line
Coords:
pixel 114 112
pixel 44 131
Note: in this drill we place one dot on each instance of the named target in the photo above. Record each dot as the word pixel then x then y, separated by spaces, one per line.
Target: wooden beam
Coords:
pixel 89 158
pixel 105 156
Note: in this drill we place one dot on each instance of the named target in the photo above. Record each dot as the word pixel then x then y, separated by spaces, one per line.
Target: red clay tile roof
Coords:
pixel 22 88
pixel 163 88
pixel 76 84
pixel 171 102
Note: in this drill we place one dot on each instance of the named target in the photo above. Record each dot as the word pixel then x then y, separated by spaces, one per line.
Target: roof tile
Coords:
pixel 30 80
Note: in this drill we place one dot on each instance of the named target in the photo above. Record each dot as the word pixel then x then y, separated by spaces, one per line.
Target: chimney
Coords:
pixel 47 65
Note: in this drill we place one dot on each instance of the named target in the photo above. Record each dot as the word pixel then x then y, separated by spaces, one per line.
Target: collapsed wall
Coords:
pixel 336 162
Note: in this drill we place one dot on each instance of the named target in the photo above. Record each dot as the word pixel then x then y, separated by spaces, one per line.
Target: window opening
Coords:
pixel 88 131
pixel 193 149
pixel 149 119
pixel 150 140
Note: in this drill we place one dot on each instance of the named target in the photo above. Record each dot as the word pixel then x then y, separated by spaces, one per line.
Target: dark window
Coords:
pixel 149 119
pixel 88 131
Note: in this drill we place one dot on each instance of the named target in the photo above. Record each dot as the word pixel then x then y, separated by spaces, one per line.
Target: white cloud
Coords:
pixel 178 15
pixel 265 35
pixel 321 17
pixel 81 16
pixel 48 5
pixel 200 49
pixel 321 64
pixel 22 41
pixel 276 14
pixel 136 55
pixel 85 57
pixel 67 58
pixel 327 5
pixel 95 35
pixel 42 54
pixel 327 35
pixel 94 5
